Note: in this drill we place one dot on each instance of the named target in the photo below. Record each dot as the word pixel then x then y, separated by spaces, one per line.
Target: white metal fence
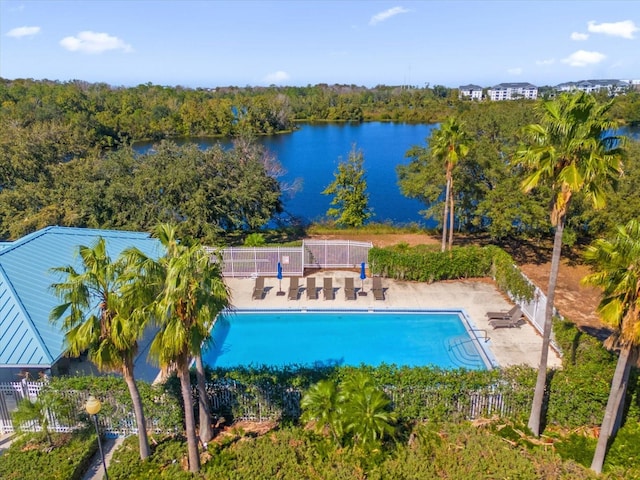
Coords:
pixel 534 310
pixel 263 261
pixel 232 400
pixel 11 393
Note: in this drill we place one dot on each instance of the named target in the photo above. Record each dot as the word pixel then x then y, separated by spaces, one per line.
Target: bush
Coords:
pixel 32 457
pixel 428 264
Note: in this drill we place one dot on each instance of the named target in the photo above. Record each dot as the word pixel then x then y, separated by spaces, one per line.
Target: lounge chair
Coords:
pixel 504 314
pixel 312 293
pixel 378 291
pixel 327 289
pixel 258 289
pixel 294 288
pixel 349 289
pixel 514 320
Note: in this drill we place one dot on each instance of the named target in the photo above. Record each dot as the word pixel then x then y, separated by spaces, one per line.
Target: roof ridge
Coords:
pixel 56 229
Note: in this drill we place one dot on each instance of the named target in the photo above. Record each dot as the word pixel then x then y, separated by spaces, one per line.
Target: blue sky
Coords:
pixel 240 43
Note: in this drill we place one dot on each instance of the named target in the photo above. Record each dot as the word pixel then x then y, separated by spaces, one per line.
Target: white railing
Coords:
pixel 263 261
pixel 534 310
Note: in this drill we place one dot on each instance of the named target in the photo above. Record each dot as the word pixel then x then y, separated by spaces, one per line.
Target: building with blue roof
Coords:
pixel 29 342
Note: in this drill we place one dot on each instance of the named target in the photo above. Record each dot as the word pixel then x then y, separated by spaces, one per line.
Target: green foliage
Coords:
pixel 160 407
pixel 36 413
pixel 430 450
pixel 166 460
pixel 416 392
pixel 354 412
pixel 255 240
pixel 206 193
pixel 624 454
pixel 349 190
pixel 67 457
pixel 426 264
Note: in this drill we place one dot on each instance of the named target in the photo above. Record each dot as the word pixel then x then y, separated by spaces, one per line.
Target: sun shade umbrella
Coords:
pixel 363 274
pixel 279 275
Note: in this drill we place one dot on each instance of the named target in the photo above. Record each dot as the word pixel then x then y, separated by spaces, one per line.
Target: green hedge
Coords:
pixel 429 264
pixel 416 392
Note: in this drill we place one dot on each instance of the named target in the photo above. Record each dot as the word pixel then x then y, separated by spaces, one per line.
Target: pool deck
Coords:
pixel 510 346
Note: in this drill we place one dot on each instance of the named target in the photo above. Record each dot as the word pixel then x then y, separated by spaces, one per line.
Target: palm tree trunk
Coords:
pixel 138 411
pixel 535 417
pixel 206 432
pixel 451 217
pixel 189 419
pixel 615 404
pixel 444 219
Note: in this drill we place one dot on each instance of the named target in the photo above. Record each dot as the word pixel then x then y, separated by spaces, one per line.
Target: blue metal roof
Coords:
pixel 27 338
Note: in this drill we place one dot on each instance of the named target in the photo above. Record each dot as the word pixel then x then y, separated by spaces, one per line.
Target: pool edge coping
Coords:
pixel 487 356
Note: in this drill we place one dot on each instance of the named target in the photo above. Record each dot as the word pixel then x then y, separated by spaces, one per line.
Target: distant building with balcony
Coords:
pixel 513 91
pixel 474 92
pixel 613 87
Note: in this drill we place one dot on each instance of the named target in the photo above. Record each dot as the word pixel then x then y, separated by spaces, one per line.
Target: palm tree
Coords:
pixel 191 294
pixel 617 265
pixel 356 410
pixel 40 410
pixel 98 316
pixel 367 411
pixel 449 144
pixel 574 150
pixel 320 405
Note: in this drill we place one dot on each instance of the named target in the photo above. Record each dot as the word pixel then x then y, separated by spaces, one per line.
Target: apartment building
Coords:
pixel 513 91
pixel 474 92
pixel 613 87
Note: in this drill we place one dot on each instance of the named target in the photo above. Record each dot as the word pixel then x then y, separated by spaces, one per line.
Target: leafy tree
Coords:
pixel 617 271
pixel 349 189
pixel 573 150
pixel 98 315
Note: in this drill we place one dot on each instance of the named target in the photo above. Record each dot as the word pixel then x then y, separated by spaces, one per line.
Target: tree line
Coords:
pixel 59 164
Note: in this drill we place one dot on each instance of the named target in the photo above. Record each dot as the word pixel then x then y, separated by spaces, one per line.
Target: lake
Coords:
pixel 312 153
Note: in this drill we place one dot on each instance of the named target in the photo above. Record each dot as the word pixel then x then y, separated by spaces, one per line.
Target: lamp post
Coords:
pixel 92 406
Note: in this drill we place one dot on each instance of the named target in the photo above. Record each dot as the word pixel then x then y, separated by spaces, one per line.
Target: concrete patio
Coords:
pixel 510 346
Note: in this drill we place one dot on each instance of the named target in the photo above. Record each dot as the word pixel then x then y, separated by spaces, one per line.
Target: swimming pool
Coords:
pixel 446 339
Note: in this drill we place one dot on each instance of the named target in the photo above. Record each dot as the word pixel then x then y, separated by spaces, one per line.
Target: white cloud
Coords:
pixel 578 37
pixel 582 58
pixel 276 77
pixel 549 61
pixel 624 29
pixel 515 71
pixel 93 42
pixel 387 14
pixel 23 32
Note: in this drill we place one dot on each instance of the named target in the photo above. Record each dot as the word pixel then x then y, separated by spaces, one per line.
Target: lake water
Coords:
pixel 312 153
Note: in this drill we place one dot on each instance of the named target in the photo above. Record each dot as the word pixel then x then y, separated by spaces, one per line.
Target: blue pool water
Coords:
pixel 344 338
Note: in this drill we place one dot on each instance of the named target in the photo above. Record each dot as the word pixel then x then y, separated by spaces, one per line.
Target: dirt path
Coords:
pixel 576 302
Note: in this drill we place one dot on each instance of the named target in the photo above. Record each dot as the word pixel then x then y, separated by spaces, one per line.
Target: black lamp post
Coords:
pixel 92 406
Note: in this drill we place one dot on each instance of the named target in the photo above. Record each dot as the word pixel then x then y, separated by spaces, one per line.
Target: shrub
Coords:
pixel 32 457
pixel 427 264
